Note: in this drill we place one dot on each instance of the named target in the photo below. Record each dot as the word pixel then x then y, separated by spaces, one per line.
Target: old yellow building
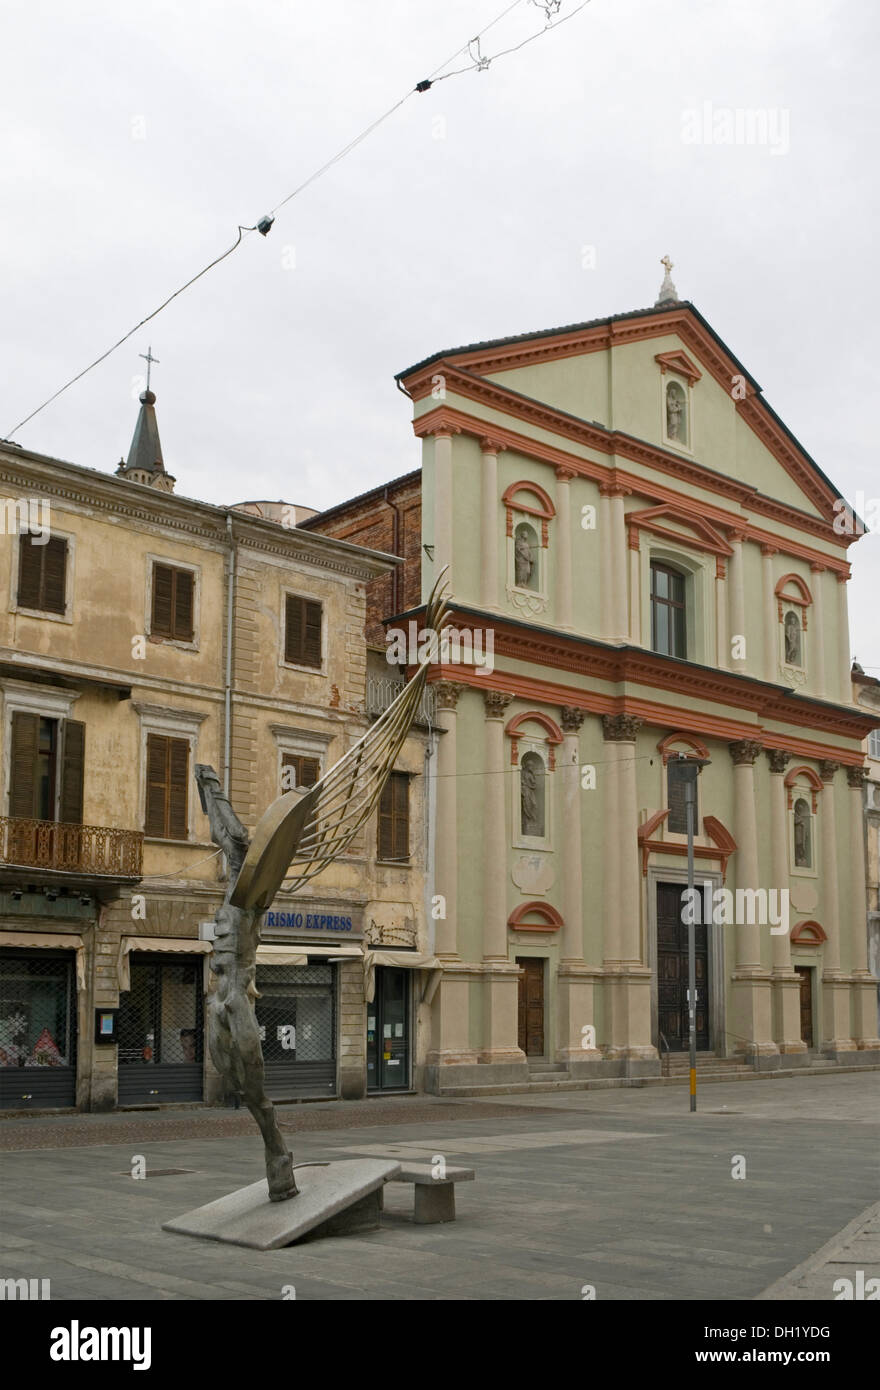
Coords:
pixel 142 632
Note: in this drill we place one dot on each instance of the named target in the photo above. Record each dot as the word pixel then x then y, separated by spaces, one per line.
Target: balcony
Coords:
pixel 382 690
pixel 90 850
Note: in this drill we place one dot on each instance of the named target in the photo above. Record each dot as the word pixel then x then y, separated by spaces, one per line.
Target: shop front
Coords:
pixel 38 1026
pixel 160 1051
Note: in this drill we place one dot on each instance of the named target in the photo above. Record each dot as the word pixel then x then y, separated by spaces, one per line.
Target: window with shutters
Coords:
pixel 47 768
pixel 167 787
pixel 303 623
pixel 42 574
pixel 298 770
pixel 172 605
pixel 394 818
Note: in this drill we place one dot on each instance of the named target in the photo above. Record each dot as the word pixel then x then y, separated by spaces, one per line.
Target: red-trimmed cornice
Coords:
pixel 601 337
pixel 634 666
pixel 613 443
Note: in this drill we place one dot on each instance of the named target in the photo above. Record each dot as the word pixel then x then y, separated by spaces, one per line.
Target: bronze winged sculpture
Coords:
pixel 298 836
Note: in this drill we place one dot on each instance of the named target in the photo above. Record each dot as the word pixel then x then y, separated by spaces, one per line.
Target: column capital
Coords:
pixel 827 769
pixel 736 535
pixel 620 728
pixel 489 445
pixel 496 702
pixel 856 777
pixel 572 718
pixel 614 490
pixel 446 693
pixel 720 567
pixel 745 751
pixel 778 759
pixel 768 550
pixel 817 568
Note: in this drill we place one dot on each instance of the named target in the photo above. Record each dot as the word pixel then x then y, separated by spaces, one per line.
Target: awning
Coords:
pixel 52 941
pixel 408 960
pixel 331 952
pixel 281 955
pixel 188 946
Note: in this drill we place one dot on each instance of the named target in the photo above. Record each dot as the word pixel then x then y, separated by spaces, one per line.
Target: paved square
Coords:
pixel 620 1190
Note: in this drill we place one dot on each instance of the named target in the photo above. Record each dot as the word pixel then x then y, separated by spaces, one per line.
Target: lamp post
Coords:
pixel 689 770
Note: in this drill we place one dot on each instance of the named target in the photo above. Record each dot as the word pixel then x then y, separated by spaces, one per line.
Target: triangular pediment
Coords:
pixel 678 362
pixel 677 523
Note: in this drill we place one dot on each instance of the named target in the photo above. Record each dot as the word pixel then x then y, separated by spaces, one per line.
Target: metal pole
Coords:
pixel 692 957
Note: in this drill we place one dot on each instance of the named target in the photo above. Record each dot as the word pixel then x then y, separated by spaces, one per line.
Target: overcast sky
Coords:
pixel 137 136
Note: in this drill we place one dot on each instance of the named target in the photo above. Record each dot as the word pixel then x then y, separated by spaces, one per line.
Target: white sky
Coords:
pixel 277 381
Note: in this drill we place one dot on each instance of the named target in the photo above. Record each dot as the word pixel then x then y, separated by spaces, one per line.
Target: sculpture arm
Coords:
pixel 227 831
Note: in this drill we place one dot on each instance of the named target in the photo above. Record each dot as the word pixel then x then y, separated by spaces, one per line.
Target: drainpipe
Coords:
pixel 395 548
pixel 227 694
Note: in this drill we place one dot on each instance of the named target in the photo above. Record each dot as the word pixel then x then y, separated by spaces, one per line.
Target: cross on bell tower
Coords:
pixel 149 359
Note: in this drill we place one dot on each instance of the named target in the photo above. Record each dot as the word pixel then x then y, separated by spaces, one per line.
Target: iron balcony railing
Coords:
pixel 381 690
pixel 81 849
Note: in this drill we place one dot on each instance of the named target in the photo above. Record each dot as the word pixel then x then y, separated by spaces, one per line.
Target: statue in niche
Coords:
pixel 674 411
pixel 531 783
pixel 802 851
pixel 522 558
pixel 792 640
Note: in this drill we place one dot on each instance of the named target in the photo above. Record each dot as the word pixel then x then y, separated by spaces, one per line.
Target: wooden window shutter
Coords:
pixel 54 574
pixel 30 571
pixel 22 790
pixel 302 631
pixel 178 787
pixel 394 818
pixel 72 771
pixel 157 786
pixel 163 599
pixel 400 793
pixel 42 574
pixel 305 771
pixel 183 605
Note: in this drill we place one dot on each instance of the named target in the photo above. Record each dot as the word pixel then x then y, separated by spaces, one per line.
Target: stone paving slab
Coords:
pixel 852 1255
pixel 637 1221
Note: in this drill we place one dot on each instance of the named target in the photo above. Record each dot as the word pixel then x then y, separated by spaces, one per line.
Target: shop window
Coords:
pixel 173 602
pixel 37 1029
pixel 167 787
pixel 393 842
pixel 303 624
pixel 42 573
pixel 668 610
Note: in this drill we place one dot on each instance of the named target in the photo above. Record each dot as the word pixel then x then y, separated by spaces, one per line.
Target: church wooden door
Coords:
pixel 531 1006
pixel 672 972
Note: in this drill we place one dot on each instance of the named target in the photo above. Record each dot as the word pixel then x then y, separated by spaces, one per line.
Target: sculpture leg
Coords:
pixel 234 1044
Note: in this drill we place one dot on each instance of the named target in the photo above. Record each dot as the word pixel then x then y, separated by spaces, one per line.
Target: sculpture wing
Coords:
pixel 304 832
pixel 347 794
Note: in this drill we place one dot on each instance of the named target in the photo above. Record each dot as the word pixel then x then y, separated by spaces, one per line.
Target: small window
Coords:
pixel 803 835
pixel 167 787
pixel 874 743
pixel 302 631
pixel 677 800
pixel 42 574
pixel 172 615
pixel 668 611
pixel 298 771
pixel 394 818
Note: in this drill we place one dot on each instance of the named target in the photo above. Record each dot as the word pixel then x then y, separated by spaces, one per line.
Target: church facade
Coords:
pixel 658 572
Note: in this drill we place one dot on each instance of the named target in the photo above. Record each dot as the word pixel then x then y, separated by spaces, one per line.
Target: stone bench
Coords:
pixel 435 1197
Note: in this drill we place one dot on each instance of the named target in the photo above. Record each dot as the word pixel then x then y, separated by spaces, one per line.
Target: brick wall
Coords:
pixel 370 521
